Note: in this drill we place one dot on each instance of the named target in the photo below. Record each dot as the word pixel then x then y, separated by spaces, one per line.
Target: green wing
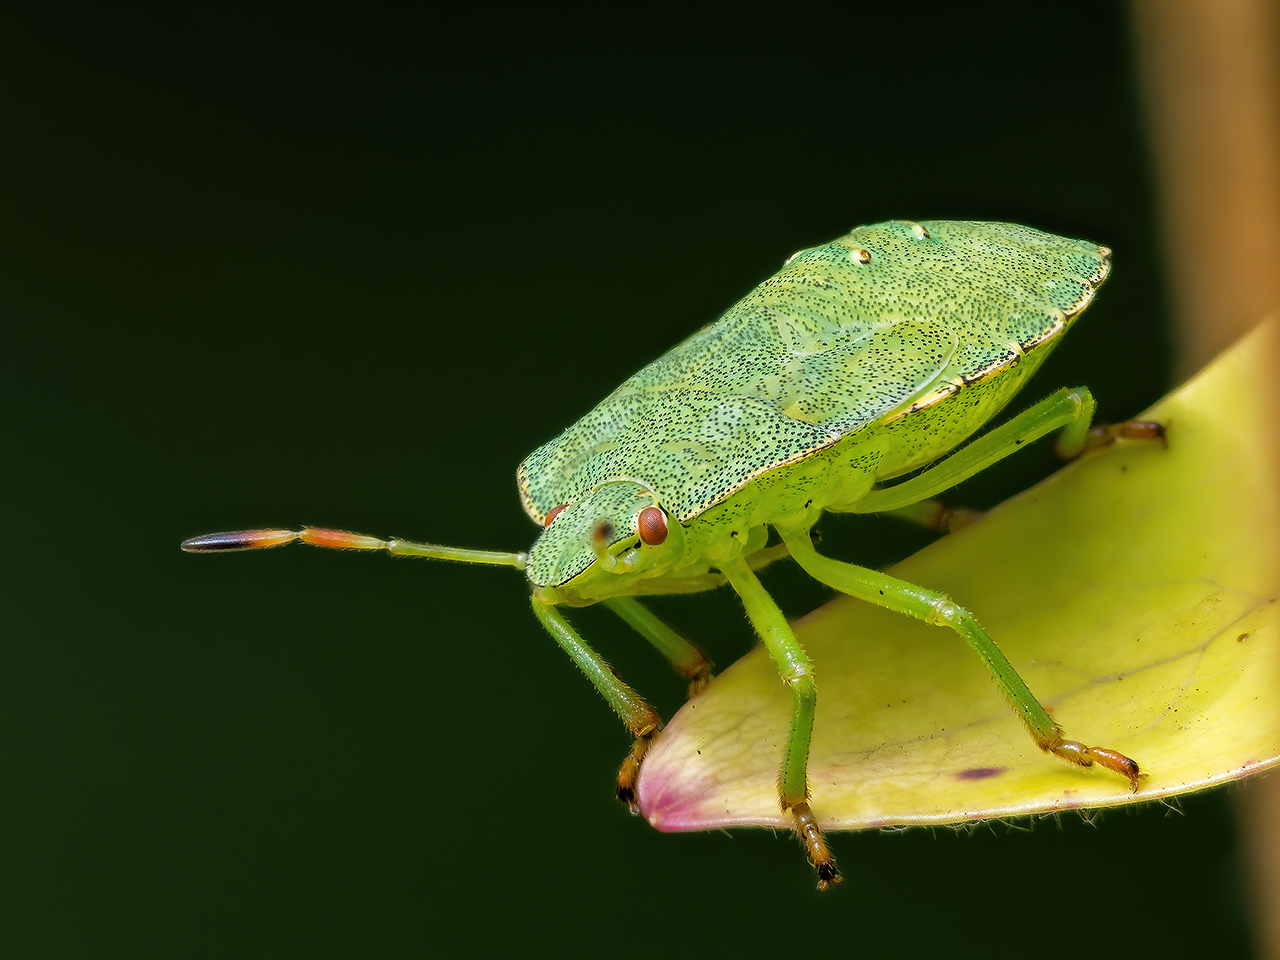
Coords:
pixel 844 335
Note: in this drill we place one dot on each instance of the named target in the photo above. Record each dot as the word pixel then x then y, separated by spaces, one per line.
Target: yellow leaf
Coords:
pixel 1135 591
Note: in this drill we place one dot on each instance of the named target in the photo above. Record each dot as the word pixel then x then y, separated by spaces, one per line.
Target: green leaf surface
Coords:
pixel 1134 590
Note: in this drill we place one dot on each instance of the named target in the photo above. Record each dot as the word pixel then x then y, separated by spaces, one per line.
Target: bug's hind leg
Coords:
pixel 1070 410
pixel 940 610
pixel 797 673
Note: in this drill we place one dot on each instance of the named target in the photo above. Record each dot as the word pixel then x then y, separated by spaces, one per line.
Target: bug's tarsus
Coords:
pixel 1145 430
pixel 936 514
pixel 815 846
pixel 1104 435
pixel 957 518
pixel 698 682
pixel 696 669
pixel 1086 756
pixel 1102 757
pixel 629 772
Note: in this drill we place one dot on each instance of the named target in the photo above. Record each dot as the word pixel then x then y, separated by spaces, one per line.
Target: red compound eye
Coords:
pixel 652 525
pixel 553 513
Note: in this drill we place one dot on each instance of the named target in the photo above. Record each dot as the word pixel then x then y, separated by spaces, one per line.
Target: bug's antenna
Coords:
pixel 341 540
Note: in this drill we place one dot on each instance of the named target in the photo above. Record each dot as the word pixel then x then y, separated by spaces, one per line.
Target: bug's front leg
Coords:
pixel 641 719
pixel 797 672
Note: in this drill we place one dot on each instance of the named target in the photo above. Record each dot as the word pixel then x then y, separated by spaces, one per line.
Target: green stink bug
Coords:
pixel 861 361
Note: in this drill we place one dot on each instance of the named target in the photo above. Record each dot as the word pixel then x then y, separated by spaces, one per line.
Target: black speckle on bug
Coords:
pixel 815 355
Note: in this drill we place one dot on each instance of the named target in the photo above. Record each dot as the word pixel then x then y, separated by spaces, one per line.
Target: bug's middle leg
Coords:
pixel 689 660
pixel 797 672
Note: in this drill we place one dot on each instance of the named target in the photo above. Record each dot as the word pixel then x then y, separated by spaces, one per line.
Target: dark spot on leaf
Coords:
pixel 980 773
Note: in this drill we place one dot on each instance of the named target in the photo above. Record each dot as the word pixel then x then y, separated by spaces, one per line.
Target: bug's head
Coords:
pixel 598 547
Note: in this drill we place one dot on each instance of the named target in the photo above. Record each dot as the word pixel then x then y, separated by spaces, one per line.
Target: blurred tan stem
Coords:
pixel 1212 94
pixel 1209 75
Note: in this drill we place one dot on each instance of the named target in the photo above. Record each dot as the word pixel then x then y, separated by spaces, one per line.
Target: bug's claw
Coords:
pixel 629 772
pixel 699 681
pixel 1146 430
pixel 815 846
pixel 936 514
pixel 1113 760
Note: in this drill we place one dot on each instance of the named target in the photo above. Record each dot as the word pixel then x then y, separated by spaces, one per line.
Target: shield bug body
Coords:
pixel 861 361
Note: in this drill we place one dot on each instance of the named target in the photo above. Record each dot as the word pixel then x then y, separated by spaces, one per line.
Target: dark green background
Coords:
pixel 348 270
